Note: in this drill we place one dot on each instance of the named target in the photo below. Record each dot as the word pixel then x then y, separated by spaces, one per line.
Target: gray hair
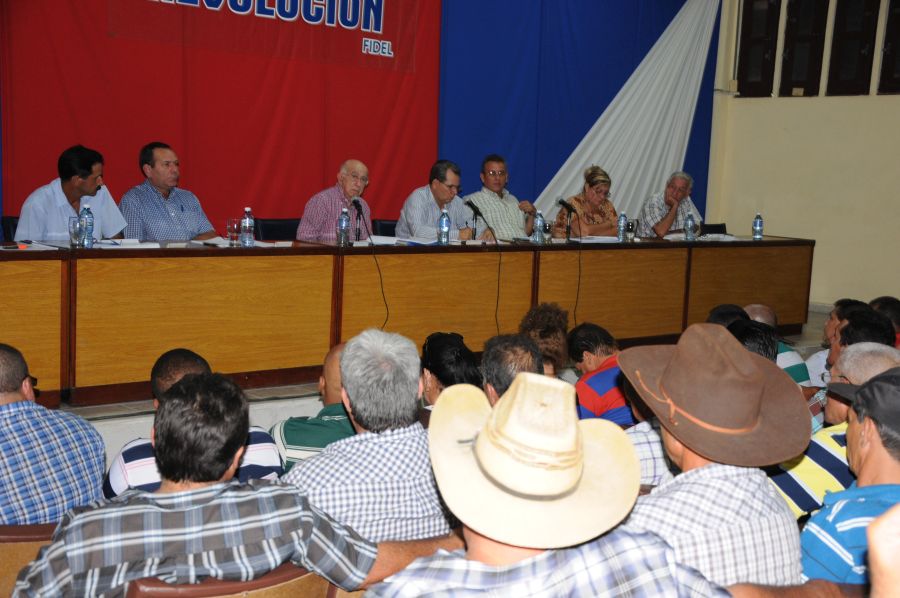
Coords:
pixel 680 174
pixel 380 372
pixel 863 361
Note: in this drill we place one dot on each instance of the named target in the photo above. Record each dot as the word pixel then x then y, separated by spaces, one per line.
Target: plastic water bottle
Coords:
pixel 342 229
pixel 690 228
pixel 444 228
pixel 537 235
pixel 247 233
pixel 758 227
pixel 620 231
pixel 88 217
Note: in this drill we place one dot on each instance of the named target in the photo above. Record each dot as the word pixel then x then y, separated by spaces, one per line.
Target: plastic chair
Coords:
pixel 288 580
pixel 19 545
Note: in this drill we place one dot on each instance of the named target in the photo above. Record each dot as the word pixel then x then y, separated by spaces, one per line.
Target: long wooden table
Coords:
pixel 92 322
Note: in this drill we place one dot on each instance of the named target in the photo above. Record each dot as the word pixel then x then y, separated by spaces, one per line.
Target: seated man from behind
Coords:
pixel 834 540
pixel 45 214
pixel 530 517
pixel 596 355
pixel 546 324
pixel 889 307
pixel 50 460
pixel 379 481
pixel 788 359
pixel 505 357
pixel 724 412
pixel 135 465
pixel 319 221
pixel 300 438
pixel 201 522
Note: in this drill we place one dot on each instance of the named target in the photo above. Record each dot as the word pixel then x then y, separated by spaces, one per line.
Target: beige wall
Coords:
pixel 823 168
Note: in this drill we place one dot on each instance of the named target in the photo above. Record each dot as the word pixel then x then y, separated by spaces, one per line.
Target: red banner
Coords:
pixel 261 99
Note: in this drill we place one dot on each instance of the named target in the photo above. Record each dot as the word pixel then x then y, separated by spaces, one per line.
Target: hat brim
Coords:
pixel 782 431
pixel 843 390
pixel 605 495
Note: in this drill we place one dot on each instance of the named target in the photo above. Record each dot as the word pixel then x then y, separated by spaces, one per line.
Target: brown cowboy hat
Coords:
pixel 719 399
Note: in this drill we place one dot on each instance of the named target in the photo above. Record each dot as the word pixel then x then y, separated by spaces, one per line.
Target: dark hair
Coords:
pixel 546 325
pixel 446 356
pixel 172 366
pixel 507 355
pixel 888 306
pixel 867 326
pixel 13 369
pixel 845 307
pixel 77 161
pixel 199 428
pixel 491 158
pixel 725 314
pixel 440 168
pixel 591 338
pixel 146 154
pixel 756 337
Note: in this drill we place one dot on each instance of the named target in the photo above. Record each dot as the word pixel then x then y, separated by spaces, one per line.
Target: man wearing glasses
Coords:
pixel 665 212
pixel 508 216
pixel 51 460
pixel 319 221
pixel 420 213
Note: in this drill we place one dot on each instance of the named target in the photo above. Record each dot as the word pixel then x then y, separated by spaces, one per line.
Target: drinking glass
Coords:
pixel 233 229
pixel 76 231
pixel 629 231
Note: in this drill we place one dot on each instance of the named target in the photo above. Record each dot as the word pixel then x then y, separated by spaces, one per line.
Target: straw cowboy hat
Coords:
pixel 719 399
pixel 528 473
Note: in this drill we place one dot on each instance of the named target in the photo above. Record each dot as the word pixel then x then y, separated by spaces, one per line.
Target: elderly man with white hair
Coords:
pixel 666 211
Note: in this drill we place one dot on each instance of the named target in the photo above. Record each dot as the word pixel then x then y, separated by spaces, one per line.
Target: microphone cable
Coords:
pixel 475 213
pixel 387 309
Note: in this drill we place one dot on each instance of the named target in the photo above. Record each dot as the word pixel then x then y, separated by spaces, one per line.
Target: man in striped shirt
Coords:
pixel 319 221
pixel 502 211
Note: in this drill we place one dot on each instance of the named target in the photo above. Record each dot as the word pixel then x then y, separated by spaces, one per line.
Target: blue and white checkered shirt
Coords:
pixel 381 485
pixel 649 448
pixel 620 563
pixel 150 217
pixel 50 461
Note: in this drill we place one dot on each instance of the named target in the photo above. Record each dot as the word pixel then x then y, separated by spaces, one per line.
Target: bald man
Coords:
pixel 322 210
pixel 788 359
pixel 299 438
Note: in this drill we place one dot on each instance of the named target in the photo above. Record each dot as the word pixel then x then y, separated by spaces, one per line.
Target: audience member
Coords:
pixel 319 221
pixel 530 516
pixel 158 209
pixel 446 360
pixel 756 337
pixel 595 354
pixel 50 460
pixel 202 523
pixel 724 412
pixel 299 438
pixel 420 213
pixel 816 363
pixel 509 217
pixel 884 554
pixel 594 214
pixel 788 359
pixel 136 466
pixel 890 308
pixel 546 324
pixel 379 481
pixel 644 435
pixel 46 212
pixel 665 212
pixel 726 313
pixel 504 357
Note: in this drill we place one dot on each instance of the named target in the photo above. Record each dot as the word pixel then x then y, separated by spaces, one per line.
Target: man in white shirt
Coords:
pixel 502 211
pixel 45 214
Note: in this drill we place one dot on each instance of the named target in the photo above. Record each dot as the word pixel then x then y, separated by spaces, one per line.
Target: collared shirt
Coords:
pixel 623 562
pixel 804 481
pixel 656 208
pixel 600 394
pixel 319 221
pixel 816 406
pixel 420 213
pixel 45 214
pixel 50 461
pixel 791 362
pixel 300 438
pixel 816 365
pixel 228 531
pixel 151 217
pixel 834 540
pixel 381 485
pixel 135 465
pixel 727 522
pixel 649 448
pixel 501 213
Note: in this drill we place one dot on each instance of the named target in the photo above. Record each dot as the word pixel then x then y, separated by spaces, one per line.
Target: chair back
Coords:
pixel 276 229
pixel 286 581
pixel 384 228
pixel 9 225
pixel 713 229
pixel 19 545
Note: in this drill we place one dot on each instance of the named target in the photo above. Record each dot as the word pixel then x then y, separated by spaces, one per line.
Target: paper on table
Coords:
pixel 591 239
pixel 127 244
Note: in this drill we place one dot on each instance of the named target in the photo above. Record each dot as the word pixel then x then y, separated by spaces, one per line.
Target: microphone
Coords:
pixel 568 207
pixel 358 205
pixel 471 205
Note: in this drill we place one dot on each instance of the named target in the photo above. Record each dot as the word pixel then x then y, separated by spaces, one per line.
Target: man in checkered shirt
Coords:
pixel 201 522
pixel 379 481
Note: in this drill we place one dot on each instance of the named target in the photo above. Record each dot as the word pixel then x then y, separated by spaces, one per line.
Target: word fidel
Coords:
pixel 367 15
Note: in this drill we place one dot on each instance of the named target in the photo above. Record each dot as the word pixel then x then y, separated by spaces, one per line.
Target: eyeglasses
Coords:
pixel 361 179
pixel 605 194
pixel 455 188
pixel 496 173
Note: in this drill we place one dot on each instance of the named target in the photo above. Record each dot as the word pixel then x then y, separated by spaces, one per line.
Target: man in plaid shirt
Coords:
pixel 201 523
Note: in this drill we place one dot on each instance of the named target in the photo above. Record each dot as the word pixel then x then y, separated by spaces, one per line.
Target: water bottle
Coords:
pixel 88 217
pixel 247 233
pixel 343 229
pixel 444 228
pixel 758 227
pixel 537 235
pixel 623 223
pixel 690 228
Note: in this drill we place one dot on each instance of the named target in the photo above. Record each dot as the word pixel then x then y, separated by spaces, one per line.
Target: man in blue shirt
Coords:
pixel 157 209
